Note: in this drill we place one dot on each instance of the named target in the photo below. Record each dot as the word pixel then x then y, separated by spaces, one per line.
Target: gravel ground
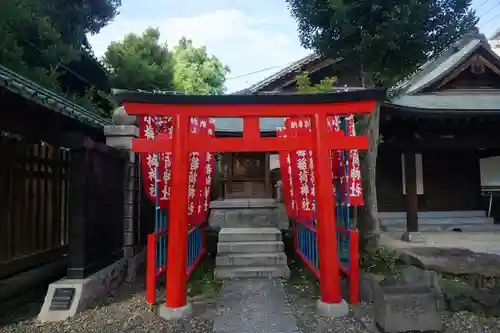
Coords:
pixel 303 291
pixel 126 311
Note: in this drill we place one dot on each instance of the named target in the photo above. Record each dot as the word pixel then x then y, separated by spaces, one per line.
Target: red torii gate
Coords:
pixel 251 107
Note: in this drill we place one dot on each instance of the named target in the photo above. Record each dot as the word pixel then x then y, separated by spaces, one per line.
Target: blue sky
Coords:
pixel 247 35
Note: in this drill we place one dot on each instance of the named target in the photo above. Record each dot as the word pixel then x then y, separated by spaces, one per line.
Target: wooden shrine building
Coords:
pixel 440 134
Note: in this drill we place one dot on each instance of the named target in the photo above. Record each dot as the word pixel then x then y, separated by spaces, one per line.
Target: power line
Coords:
pixel 490 20
pixel 488 11
pixel 259 71
pixel 482 4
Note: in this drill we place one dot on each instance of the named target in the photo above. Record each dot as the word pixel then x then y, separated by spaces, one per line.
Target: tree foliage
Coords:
pixel 387 39
pixel 144 62
pixel 196 72
pixel 304 85
pixel 40 37
pixel 140 62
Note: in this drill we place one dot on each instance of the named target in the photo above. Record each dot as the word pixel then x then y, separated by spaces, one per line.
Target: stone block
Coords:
pixel 133 265
pixel 406 308
pixel 332 310
pixel 252 272
pixel 251 259
pixel 77 294
pixel 119 142
pixel 367 285
pixel 175 313
pixel 416 276
pixel 121 130
pixel 249 234
pixel 250 247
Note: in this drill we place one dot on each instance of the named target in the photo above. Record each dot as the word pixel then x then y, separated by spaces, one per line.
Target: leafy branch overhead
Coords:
pixel 386 41
pixel 144 62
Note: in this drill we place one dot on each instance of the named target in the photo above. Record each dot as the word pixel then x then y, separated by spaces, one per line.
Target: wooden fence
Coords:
pixel 34 201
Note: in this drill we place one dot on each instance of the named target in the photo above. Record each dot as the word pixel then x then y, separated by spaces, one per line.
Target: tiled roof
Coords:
pixel 297 65
pixel 32 91
pixel 452 102
pixel 409 93
pixel 446 65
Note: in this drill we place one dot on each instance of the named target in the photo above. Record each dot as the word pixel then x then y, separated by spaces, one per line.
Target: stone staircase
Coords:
pixel 250 252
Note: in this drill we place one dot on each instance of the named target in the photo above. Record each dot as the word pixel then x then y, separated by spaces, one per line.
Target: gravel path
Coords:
pixel 254 306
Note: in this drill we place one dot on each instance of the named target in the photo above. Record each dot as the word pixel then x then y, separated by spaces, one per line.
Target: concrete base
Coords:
pixel 332 310
pixel 175 313
pixel 84 291
pixel 133 265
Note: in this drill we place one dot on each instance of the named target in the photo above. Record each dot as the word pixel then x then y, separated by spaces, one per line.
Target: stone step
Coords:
pixel 252 271
pixel 249 234
pixel 250 247
pixel 250 259
pixel 443 227
pixel 435 214
pixel 442 221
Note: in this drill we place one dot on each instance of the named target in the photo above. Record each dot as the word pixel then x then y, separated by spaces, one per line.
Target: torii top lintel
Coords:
pixel 250 108
pixel 341 103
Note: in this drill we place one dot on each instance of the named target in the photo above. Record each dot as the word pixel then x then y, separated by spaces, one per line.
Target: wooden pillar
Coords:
pixel 325 208
pixel 267 176
pixel 410 171
pixel 178 223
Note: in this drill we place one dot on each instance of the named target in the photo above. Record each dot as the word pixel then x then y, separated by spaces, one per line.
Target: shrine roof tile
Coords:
pixel 28 89
pixel 452 103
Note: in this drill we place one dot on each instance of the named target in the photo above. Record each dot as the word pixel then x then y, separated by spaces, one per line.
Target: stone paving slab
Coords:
pixel 254 306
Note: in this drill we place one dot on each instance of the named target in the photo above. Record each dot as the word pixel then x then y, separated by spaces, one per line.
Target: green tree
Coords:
pixel 387 40
pixel 40 37
pixel 304 85
pixel 197 72
pixel 140 62
pixel 143 62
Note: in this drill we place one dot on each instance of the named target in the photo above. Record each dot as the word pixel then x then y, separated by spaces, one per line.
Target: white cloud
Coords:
pixel 244 43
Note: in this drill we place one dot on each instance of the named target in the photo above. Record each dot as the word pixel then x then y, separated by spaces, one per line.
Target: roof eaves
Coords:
pixel 32 91
pixel 427 67
pixel 284 71
pixel 445 67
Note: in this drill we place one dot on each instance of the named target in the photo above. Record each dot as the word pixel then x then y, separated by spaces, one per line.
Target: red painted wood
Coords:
pixel 251 128
pixel 327 235
pixel 151 269
pixel 178 222
pixel 307 225
pixel 332 141
pixel 309 265
pixel 249 110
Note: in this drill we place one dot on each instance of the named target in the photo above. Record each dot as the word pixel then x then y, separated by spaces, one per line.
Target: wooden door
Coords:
pixel 248 176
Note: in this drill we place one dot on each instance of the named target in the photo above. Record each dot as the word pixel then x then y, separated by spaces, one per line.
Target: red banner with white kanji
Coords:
pixel 286 176
pixel 302 170
pixel 157 167
pixel 297 169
